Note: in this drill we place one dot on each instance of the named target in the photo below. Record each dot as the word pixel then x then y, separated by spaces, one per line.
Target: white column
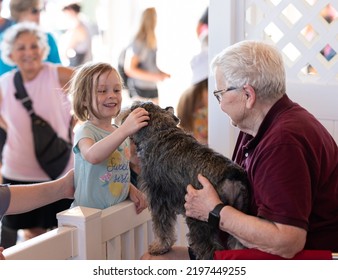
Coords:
pixel 226 21
pixel 88 238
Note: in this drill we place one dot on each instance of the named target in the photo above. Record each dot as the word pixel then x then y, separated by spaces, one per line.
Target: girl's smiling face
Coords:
pixel 107 98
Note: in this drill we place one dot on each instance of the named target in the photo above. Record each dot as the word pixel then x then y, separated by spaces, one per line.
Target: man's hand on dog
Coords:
pixel 198 203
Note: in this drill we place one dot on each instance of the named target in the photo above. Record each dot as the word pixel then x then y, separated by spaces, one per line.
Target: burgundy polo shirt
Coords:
pixel 292 166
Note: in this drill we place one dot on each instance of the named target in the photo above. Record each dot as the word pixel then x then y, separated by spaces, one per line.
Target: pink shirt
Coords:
pixel 49 102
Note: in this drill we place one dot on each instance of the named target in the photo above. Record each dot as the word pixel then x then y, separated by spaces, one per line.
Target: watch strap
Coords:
pixel 214 215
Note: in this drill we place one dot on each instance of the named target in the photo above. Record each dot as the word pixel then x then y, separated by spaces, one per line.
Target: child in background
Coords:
pixel 102 175
pixel 192 108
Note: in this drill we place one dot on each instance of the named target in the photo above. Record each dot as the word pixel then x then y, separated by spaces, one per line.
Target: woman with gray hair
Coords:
pixel 26 10
pixel 25 45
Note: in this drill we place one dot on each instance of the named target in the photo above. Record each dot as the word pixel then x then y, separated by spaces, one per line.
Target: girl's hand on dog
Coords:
pixel 138 198
pixel 200 202
pixel 136 120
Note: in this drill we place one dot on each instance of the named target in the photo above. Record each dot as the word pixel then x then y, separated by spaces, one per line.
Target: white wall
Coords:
pixel 224 26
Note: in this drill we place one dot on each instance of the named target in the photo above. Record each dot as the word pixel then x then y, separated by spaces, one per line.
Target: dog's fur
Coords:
pixel 170 160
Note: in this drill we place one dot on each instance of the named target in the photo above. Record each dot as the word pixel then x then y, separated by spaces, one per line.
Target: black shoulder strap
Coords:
pixel 21 93
pixel 22 96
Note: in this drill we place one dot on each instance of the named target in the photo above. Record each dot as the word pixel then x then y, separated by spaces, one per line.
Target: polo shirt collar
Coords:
pixel 283 104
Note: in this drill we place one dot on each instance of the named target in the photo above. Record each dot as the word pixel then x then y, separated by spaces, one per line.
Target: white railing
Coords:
pixel 116 233
pixel 88 234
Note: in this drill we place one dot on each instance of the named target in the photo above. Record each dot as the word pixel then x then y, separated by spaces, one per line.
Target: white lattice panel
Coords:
pixel 298 28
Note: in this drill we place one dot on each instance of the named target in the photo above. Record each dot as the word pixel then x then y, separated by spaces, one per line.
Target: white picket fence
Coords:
pixel 115 233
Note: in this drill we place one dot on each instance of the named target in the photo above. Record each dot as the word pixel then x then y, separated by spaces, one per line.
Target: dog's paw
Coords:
pixel 156 249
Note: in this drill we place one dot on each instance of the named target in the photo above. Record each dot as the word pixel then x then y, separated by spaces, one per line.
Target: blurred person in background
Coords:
pixel 76 41
pixel 29 10
pixel 203 23
pixel 25 10
pixel 140 60
pixel 192 108
pixel 4 22
pixel 25 46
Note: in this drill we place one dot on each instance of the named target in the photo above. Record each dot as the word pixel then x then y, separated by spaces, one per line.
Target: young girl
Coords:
pixel 102 176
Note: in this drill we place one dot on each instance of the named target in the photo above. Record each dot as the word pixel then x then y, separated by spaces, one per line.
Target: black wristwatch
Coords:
pixel 214 217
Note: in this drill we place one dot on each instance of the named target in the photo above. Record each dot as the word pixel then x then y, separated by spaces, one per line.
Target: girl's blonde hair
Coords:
pixel 146 32
pixel 83 85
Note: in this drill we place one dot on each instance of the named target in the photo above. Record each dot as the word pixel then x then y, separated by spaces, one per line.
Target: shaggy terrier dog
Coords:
pixel 170 160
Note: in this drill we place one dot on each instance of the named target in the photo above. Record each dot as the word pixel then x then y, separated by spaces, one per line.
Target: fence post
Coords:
pixel 88 237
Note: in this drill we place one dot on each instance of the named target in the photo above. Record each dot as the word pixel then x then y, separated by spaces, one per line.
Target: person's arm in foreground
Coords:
pixel 251 231
pixel 28 197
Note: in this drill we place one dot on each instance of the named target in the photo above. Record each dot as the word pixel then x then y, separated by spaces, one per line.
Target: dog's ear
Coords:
pixel 170 109
pixel 136 104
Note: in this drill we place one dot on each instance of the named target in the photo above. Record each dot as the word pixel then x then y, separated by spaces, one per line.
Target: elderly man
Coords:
pixel 290 159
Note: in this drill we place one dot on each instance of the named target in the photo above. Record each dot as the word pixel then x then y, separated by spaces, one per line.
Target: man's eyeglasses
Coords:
pixel 219 93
